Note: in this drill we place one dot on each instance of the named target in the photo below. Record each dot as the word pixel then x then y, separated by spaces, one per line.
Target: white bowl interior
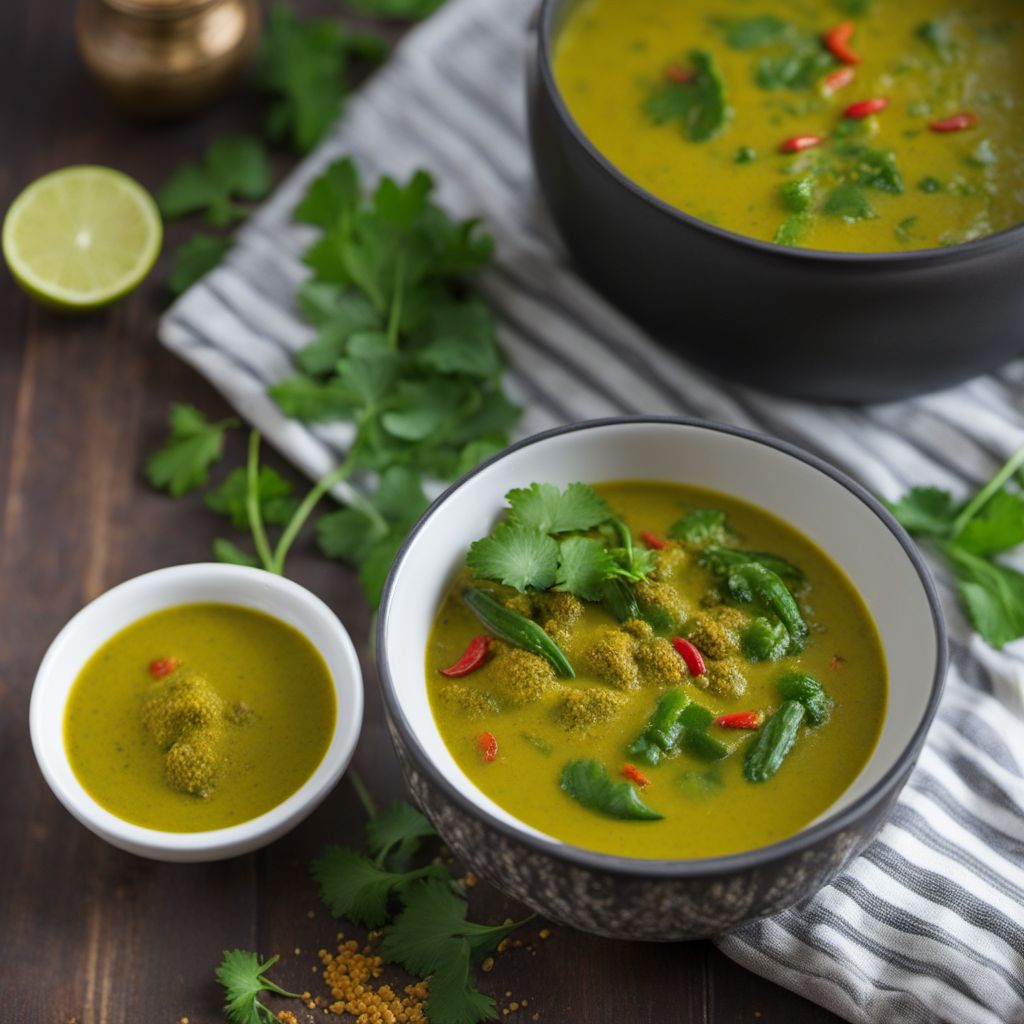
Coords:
pixel 814 503
pixel 167 588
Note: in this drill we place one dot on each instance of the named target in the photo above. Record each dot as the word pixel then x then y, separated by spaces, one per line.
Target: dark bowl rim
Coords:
pixel 637 867
pixel 915 257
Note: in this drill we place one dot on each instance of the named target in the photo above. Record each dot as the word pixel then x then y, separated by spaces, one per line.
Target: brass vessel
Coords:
pixel 166 58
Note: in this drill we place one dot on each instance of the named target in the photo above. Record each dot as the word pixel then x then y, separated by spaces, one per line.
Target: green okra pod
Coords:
pixel 774 742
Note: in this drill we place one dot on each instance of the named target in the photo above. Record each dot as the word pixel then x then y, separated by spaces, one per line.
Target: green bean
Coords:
pixel 516 629
pixel 662 730
pixel 754 583
pixel 721 561
pixel 809 692
pixel 774 742
pixel 587 782
pixel 695 720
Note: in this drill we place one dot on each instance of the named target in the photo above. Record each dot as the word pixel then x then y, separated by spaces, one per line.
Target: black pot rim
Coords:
pixel 987 245
pixel 636 867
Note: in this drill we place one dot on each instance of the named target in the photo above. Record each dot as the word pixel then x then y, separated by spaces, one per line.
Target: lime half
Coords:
pixel 81 237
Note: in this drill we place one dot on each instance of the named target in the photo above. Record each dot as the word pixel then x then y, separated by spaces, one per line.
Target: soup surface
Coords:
pixel 514 727
pixel 696 99
pixel 199 717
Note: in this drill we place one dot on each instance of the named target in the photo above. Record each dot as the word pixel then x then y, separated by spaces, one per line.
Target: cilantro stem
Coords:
pixel 395 314
pixel 252 504
pixel 369 804
pixel 978 502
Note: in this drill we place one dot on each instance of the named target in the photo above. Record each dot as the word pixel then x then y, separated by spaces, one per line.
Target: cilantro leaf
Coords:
pixel 333 196
pixel 432 926
pixel 543 507
pixel 377 564
pixel 993 594
pixel 232 167
pixel 750 33
pixel 998 527
pixel 700 526
pixel 229 552
pixel 458 337
pixel 453 998
pixel 302 66
pixel 406 10
pixel 243 978
pixel 275 497
pixel 925 510
pixel 312 401
pixel 698 104
pixel 353 886
pixel 584 565
pixel 396 834
pixel 195 259
pixel 797 65
pixel 517 555
pixel 348 534
pixel 848 202
pixel 192 447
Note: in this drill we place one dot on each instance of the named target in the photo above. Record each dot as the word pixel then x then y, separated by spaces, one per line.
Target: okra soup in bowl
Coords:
pixel 655 677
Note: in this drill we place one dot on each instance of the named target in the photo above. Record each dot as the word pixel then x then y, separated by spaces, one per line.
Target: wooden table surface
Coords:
pixel 92 935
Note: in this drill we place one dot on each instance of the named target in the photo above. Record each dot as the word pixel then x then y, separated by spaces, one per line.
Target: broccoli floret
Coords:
pixel 519 603
pixel 180 705
pixel 713 637
pixel 661 605
pixel 638 628
pixel 725 680
pixel 475 703
pixel 658 662
pixel 611 659
pixel 191 763
pixel 579 709
pixel 671 560
pixel 557 613
pixel 515 676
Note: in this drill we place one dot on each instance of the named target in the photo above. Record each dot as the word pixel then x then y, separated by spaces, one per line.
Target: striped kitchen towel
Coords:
pixel 928 924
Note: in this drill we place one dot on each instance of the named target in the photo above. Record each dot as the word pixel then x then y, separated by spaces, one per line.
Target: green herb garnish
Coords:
pixel 848 202
pixel 750 33
pixel 194 445
pixel 587 782
pixel 698 104
pixel 243 977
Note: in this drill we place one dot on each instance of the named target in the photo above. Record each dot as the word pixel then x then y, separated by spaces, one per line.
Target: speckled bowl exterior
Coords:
pixel 630 898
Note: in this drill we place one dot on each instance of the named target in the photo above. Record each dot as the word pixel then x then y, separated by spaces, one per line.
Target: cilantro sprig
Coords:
pixel 566 540
pixel 972 536
pixel 243 977
pixel 192 447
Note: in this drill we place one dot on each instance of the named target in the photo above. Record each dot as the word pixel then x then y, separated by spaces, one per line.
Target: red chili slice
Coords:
pixel 631 772
pixel 837 42
pixel 740 720
pixel 865 108
pixel 472 658
pixel 693 658
pixel 679 74
pixel 799 143
pixel 838 79
pixel 652 540
pixel 160 667
pixel 488 746
pixel 956 123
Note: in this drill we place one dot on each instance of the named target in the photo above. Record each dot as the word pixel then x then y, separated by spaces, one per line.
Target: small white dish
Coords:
pixel 118 608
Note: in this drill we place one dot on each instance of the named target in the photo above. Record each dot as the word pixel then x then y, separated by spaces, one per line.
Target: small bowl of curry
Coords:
pixel 197 712
pixel 656 677
pixel 822 199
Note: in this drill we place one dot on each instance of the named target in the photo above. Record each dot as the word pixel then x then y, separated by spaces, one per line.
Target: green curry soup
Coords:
pixel 849 125
pixel 596 718
pixel 199 717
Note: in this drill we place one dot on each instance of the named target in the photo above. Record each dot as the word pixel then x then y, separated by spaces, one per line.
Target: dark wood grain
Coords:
pixel 90 934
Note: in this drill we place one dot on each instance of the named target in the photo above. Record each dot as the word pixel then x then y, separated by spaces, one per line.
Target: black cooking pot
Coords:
pixel 820 325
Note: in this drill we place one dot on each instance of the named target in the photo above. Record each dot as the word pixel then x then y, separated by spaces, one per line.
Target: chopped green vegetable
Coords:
pixel 699 104
pixel 764 640
pixel 701 526
pixel 799 686
pixel 930 184
pixel 587 782
pixel 774 741
pixel 695 720
pixel 798 194
pixel 745 155
pixel 243 978
pixel 722 560
pixel 903 230
pixel 792 229
pixel 183 464
pixel 750 33
pixel 662 731
pixel 848 202
pixel 620 597
pixel 803 61
pixel 754 583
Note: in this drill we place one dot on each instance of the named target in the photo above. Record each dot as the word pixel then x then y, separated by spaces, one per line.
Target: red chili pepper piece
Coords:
pixel 473 657
pixel 693 658
pixel 488 746
pixel 956 123
pixel 865 108
pixel 652 540
pixel 838 79
pixel 160 667
pixel 631 772
pixel 679 74
pixel 837 41
pixel 799 143
pixel 740 720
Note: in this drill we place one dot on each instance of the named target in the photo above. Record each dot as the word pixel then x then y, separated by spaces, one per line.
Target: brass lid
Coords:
pixel 160 8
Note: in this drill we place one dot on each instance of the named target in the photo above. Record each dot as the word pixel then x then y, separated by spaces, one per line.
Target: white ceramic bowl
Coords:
pixel 98 621
pixel 572 884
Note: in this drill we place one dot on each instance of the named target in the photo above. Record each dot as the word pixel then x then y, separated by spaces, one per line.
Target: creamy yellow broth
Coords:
pixel 951 187
pixel 274 717
pixel 709 809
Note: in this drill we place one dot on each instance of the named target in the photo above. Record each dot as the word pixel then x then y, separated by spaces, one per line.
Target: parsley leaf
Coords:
pixel 277 505
pixel 543 507
pixel 432 926
pixel 848 202
pixel 302 66
pixel 925 510
pixel 453 999
pixel 195 259
pixel 395 834
pixel 584 565
pixel 193 446
pixel 998 527
pixel 243 978
pixel 993 594
pixel 799 64
pixel 699 104
pixel 355 887
pixel 233 167
pixel 516 554
pixel 229 552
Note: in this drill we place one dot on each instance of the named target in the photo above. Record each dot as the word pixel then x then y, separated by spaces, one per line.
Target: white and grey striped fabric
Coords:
pixel 927 925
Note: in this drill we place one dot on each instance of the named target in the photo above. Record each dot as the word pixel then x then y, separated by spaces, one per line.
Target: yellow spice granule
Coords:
pixel 287 1017
pixel 349 974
